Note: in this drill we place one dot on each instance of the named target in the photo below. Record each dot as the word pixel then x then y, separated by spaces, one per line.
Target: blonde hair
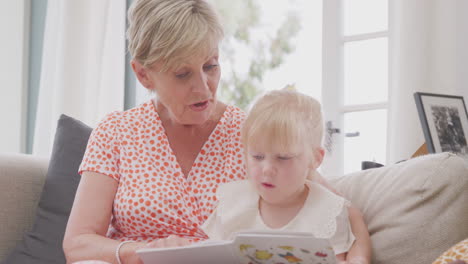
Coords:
pixel 170 31
pixel 285 118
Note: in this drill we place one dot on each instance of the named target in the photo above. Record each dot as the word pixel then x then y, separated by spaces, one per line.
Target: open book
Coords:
pixel 248 248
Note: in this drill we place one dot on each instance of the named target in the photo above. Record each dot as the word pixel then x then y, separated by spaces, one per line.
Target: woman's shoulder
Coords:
pixel 231 125
pixel 128 118
pixel 234 115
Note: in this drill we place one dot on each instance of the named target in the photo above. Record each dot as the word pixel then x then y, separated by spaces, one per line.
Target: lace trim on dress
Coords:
pixel 318 215
pixel 324 207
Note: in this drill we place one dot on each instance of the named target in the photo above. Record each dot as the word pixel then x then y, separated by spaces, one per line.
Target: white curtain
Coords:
pixel 430 54
pixel 83 65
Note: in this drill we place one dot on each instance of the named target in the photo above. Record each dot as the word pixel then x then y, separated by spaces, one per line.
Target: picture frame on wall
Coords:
pixel 444 121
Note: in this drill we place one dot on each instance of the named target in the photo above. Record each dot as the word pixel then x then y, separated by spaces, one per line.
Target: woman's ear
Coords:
pixel 142 74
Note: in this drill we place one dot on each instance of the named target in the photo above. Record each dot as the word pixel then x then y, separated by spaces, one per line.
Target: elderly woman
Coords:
pixel 149 174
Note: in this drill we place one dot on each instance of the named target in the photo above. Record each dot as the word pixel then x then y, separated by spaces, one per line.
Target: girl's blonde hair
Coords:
pixel 285 119
pixel 170 31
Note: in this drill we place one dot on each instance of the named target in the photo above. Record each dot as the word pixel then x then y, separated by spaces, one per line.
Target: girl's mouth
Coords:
pixel 268 185
pixel 200 106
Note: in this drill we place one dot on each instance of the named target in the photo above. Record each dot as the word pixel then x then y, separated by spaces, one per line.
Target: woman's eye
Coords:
pixel 258 157
pixel 284 157
pixel 210 67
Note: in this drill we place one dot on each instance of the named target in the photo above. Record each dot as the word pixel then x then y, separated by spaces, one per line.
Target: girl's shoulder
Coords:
pixel 321 197
pixel 236 198
pixel 321 210
pixel 235 190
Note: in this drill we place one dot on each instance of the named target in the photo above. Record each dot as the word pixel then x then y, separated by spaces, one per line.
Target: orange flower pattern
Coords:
pixel 154 199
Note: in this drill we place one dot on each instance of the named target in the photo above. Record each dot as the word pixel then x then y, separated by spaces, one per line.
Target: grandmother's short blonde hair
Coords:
pixel 285 119
pixel 170 31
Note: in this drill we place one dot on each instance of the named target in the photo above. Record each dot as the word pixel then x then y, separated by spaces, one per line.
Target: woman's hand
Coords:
pixel 128 251
pixel 170 241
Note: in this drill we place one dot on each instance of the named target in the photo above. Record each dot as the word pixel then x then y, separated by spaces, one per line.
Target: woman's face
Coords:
pixel 187 92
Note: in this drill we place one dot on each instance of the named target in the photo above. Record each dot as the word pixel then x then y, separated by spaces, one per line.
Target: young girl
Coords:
pixel 282 139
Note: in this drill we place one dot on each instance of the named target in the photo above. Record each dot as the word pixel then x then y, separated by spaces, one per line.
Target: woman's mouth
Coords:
pixel 268 185
pixel 200 106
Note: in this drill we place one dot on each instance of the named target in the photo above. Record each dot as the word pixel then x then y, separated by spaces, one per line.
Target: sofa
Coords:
pixel 415 210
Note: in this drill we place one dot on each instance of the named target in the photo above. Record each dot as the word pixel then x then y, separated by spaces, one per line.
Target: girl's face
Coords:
pixel 279 177
pixel 188 92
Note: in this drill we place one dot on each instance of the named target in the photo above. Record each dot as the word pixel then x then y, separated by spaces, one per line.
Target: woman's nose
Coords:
pixel 200 83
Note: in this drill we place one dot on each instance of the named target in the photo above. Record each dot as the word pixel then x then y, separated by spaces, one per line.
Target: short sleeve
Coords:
pixel 213 227
pixel 343 238
pixel 102 152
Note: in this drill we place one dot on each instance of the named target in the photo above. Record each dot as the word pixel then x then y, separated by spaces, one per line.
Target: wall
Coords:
pixel 429 42
pixel 14 29
pixel 461 23
pixel 449 53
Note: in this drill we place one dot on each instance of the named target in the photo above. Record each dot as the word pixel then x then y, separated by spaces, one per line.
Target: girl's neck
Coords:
pixel 279 215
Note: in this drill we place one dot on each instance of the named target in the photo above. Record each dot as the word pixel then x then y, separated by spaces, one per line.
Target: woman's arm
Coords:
pixel 85 235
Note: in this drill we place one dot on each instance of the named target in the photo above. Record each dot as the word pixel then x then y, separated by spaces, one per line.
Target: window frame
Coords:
pixel 333 74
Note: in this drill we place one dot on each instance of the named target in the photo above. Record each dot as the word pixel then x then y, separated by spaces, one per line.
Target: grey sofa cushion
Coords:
pixel 43 244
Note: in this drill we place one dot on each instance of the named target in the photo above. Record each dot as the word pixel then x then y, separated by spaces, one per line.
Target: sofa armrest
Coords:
pixel 21 179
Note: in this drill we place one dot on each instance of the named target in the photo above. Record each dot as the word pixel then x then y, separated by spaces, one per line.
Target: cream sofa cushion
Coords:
pixel 415 210
pixel 21 180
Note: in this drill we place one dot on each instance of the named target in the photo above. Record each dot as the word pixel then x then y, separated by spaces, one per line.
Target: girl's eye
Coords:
pixel 182 75
pixel 284 157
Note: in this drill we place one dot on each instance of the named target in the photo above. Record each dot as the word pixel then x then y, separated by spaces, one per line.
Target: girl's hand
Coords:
pixel 354 260
pixel 170 241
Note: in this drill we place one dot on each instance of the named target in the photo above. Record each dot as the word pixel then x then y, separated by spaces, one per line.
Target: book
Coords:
pixel 247 248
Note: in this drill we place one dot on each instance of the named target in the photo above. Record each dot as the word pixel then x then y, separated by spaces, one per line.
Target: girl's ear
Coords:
pixel 319 153
pixel 142 74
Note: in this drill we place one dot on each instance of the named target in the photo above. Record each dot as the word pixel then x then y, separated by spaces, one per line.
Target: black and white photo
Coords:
pixel 444 122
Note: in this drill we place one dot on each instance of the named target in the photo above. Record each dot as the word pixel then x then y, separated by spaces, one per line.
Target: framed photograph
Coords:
pixel 444 121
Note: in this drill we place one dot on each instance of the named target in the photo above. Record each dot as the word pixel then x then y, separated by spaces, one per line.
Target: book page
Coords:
pixel 198 253
pixel 280 247
pixel 247 248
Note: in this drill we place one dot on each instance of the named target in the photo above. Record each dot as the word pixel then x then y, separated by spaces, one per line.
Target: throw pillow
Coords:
pixel 414 210
pixel 43 244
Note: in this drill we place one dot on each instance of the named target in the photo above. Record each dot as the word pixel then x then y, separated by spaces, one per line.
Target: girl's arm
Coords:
pixel 341 258
pixel 361 250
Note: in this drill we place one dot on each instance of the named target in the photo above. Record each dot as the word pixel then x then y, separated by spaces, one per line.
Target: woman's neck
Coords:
pixel 170 123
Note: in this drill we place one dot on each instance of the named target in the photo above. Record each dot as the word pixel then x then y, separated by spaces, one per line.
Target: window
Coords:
pixel 355 91
pixel 334 50
pixel 267 45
